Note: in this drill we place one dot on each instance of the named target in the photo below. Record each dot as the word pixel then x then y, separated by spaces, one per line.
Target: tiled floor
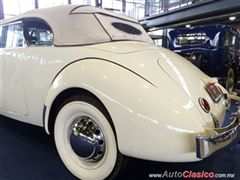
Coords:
pixel 27 153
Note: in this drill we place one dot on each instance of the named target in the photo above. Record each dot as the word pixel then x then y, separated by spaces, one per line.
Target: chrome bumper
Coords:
pixel 206 145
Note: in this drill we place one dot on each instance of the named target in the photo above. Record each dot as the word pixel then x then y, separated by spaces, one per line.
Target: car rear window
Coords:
pixel 126 28
pixel 121 29
pixel 191 38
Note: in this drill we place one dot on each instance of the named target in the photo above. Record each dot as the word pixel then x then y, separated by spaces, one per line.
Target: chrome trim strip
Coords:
pixel 43 115
pixel 206 145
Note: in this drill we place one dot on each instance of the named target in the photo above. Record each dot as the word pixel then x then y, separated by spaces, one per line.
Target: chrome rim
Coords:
pixel 87 139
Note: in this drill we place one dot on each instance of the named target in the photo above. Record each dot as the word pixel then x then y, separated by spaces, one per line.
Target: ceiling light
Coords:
pixel 188 25
pixel 232 18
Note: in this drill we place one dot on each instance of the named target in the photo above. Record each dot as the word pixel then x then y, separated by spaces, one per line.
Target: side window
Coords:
pixel 227 39
pixel 3 37
pixel 14 35
pixel 37 32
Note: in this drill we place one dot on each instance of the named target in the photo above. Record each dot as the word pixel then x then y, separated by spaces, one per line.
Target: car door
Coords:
pixel 12 92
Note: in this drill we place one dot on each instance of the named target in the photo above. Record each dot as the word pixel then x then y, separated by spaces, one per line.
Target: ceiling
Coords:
pixel 203 12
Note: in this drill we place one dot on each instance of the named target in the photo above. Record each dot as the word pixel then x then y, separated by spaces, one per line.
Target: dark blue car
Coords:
pixel 212 48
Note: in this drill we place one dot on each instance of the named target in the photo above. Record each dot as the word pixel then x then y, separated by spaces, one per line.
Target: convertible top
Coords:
pixel 80 25
pixel 58 12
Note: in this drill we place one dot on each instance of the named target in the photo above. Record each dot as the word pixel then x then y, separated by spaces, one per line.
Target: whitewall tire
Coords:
pixel 85 139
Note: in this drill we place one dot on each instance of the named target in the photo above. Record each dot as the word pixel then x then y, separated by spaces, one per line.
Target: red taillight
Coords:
pixel 204 104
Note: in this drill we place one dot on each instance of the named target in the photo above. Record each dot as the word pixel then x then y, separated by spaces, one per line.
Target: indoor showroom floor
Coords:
pixel 27 153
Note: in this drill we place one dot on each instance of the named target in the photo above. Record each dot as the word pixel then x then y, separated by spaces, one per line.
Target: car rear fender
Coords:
pixel 140 111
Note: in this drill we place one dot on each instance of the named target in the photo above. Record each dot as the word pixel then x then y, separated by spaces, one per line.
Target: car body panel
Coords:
pixel 177 68
pixel 129 107
pixel 12 83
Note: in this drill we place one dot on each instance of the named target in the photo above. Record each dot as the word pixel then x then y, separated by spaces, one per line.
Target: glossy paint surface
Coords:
pixel 151 93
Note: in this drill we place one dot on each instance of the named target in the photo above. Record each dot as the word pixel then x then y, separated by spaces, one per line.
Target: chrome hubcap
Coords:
pixel 87 139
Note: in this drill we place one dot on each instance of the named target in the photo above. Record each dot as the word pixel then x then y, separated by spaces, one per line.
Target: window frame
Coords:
pixel 34 19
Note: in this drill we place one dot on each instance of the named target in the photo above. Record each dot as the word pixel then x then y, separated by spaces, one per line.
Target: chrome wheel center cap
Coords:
pixel 87 139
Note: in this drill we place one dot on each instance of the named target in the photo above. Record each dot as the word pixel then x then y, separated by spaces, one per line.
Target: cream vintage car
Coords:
pixel 96 81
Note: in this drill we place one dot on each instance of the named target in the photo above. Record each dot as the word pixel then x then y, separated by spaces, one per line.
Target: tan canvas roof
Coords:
pixel 78 25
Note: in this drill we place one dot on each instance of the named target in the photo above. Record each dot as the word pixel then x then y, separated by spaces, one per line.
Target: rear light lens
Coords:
pixel 204 105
